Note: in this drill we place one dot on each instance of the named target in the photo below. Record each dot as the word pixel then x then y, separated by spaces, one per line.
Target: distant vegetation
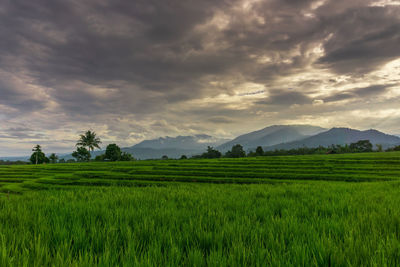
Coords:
pixel 113 153
pixel 85 145
pixel 237 150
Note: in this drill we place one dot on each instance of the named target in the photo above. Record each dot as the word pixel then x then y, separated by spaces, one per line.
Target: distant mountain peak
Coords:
pixel 341 136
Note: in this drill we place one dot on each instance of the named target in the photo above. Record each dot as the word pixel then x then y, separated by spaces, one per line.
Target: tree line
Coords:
pixel 237 151
pixel 84 147
pixel 89 141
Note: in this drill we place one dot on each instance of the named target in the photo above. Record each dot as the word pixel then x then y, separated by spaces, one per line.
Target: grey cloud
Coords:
pixel 357 93
pixel 154 45
pixel 220 119
pixel 21 133
pixel 18 98
pixel 339 97
pixel 363 38
pixel 286 98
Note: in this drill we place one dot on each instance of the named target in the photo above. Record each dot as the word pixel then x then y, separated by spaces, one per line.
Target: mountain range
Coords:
pixel 341 136
pixel 270 138
pixel 272 135
pixel 173 147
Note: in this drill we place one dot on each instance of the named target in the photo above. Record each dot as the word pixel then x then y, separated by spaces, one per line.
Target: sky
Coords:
pixel 141 69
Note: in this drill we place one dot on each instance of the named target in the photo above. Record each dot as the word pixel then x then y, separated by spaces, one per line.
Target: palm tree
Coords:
pixel 89 140
pixel 36 150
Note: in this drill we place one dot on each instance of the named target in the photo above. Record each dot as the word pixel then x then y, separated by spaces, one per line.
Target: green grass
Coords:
pixel 325 210
pixel 309 224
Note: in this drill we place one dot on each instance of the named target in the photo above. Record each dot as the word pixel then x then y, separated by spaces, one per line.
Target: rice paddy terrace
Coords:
pixel 365 167
pixel 320 210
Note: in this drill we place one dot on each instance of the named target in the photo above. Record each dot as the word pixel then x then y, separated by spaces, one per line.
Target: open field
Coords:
pixel 337 210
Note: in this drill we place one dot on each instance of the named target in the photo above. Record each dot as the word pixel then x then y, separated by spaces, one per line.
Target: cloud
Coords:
pixel 120 67
pixel 358 93
pixel 286 98
pixel 220 119
pixel 362 39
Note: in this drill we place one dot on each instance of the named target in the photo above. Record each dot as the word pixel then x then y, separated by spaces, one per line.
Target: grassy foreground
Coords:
pixel 311 224
pixel 313 218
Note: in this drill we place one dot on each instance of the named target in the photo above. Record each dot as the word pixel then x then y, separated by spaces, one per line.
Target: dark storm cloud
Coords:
pixel 220 119
pixel 366 53
pixel 155 45
pixel 358 93
pixel 362 37
pixel 286 98
pixel 12 96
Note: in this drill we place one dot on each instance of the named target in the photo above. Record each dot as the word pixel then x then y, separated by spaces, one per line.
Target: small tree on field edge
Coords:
pixel 113 152
pixel 259 151
pixel 236 152
pixel 53 158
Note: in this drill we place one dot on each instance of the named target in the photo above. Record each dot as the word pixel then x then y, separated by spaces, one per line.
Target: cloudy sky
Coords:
pixel 135 70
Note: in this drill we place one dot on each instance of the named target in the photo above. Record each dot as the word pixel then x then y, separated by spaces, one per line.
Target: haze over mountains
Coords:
pixel 270 138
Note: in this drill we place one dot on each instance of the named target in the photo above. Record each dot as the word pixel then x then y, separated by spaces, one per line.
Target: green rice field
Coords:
pixel 317 210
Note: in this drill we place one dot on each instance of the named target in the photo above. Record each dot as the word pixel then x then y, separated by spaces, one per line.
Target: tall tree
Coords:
pixel 113 152
pixel 36 150
pixel 211 153
pixel 38 157
pixel 236 152
pixel 90 140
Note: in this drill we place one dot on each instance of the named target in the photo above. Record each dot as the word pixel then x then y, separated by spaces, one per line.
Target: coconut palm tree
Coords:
pixel 89 140
pixel 36 151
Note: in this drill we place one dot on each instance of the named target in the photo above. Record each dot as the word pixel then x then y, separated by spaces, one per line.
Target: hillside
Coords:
pixel 173 147
pixel 272 135
pixel 152 153
pixel 341 136
pixel 195 142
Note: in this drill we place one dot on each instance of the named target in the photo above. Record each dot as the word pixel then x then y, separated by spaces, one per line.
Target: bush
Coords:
pixel 361 146
pixel 100 157
pixel 126 157
pixel 81 154
pixel 259 151
pixel 211 153
pixel 236 152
